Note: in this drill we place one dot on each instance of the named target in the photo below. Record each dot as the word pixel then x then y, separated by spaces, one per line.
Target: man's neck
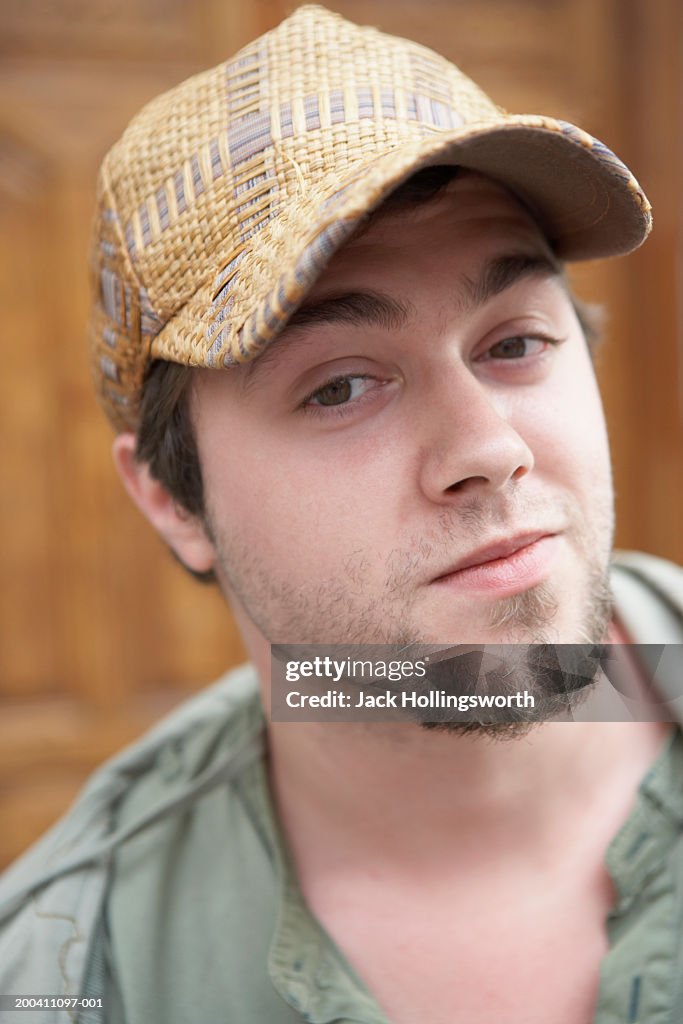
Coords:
pixel 409 797
pixel 402 795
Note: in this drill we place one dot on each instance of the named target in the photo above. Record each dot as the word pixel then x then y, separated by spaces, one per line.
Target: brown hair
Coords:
pixel 166 440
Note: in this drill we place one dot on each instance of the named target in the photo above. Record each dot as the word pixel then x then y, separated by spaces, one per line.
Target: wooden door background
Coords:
pixel 99 630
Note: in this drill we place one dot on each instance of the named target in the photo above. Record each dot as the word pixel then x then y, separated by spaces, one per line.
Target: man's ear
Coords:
pixel 183 532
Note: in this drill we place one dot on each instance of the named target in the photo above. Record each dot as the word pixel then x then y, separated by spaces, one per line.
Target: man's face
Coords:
pixel 422 455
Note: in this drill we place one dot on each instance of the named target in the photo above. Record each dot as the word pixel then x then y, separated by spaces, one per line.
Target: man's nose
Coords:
pixel 470 443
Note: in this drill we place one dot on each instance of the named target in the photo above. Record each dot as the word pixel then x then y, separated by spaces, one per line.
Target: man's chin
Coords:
pixel 502 691
pixel 532 643
pixel 500 732
pixel 547 613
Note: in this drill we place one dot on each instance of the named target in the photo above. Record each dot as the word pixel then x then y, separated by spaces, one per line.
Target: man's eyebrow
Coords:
pixel 502 272
pixel 361 309
pixel 378 310
pixel 375 309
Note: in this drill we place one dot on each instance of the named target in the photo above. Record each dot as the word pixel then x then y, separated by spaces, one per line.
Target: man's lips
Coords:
pixel 498 549
pixel 505 566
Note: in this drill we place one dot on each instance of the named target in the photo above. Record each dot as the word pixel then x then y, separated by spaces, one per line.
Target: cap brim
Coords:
pixel 583 197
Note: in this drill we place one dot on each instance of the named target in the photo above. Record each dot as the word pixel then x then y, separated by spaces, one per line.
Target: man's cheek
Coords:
pixel 568 432
pixel 301 534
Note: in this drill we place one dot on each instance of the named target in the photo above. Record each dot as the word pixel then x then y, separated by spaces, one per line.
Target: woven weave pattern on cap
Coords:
pixel 227 196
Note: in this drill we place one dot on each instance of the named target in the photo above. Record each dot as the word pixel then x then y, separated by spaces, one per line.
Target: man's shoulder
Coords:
pixel 229 705
pixel 648 594
pixel 51 897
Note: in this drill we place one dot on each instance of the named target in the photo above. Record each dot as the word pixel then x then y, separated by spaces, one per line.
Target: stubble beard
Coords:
pixel 559 677
pixel 339 611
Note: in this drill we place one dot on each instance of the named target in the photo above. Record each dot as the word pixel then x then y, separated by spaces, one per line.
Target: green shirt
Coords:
pixel 206 922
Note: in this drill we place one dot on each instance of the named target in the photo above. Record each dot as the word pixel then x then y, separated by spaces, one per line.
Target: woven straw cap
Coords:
pixel 226 197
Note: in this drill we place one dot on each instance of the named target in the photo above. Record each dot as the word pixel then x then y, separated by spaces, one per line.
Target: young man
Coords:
pixel 349 381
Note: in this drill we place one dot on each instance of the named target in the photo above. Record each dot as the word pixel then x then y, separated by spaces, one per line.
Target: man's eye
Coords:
pixel 339 391
pixel 517 348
